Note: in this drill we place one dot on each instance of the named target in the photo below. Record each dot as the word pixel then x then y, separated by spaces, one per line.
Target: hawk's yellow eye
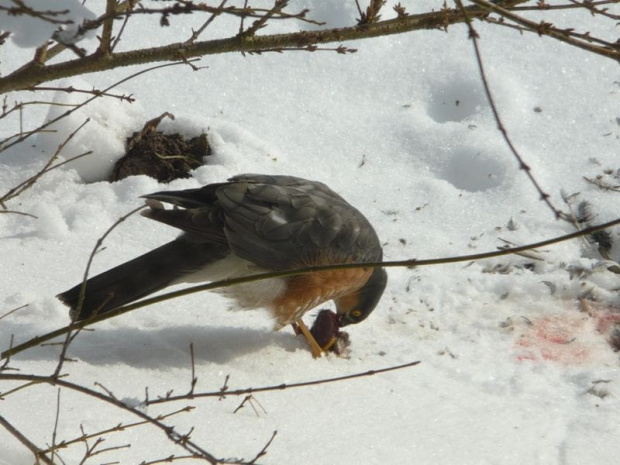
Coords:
pixel 356 313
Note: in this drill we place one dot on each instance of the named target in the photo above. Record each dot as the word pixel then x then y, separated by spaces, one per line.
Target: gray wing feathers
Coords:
pixel 292 222
pixel 277 222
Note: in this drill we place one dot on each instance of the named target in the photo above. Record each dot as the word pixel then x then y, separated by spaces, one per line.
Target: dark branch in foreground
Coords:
pixel 210 286
pixel 33 75
pixel 38 453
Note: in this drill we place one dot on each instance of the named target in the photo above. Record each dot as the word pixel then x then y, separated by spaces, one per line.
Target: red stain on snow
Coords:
pixel 569 338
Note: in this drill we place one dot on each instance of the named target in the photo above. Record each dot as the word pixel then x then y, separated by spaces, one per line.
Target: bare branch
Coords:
pixel 10 312
pixel 263 451
pixel 201 29
pixel 49 16
pixel 277 8
pixel 84 437
pixel 86 102
pixel 179 439
pixel 105 41
pixel 28 183
pixel 96 92
pixel 194 379
pixel 96 248
pixel 38 453
pixel 280 387
pixel 33 75
pixel 231 282
pixel 56 420
pixel 500 125
pixel 547 29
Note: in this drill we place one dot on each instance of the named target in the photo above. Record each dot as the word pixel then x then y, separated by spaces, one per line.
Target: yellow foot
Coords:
pixel 315 348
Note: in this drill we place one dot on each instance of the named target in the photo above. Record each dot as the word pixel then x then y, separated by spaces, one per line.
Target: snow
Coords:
pixel 513 368
pixel 64 16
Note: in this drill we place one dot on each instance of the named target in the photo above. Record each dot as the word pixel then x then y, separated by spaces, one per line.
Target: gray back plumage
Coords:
pixel 277 222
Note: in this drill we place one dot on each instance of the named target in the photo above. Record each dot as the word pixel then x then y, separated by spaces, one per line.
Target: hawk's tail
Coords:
pixel 139 277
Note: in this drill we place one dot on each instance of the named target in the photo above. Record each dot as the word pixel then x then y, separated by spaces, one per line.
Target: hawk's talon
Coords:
pixel 315 348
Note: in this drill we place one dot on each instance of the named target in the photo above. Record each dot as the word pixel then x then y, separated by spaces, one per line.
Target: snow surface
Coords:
pixel 512 371
pixel 49 16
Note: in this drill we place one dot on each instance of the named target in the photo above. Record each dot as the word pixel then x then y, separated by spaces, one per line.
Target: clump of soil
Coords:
pixel 161 156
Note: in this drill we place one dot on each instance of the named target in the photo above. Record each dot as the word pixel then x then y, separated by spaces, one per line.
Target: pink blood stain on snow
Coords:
pixel 569 338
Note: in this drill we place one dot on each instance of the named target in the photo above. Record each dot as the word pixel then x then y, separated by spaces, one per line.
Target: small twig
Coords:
pixel 591 6
pixel 215 14
pixel 263 451
pixel 28 183
pixel 49 16
pixel 5 394
pixel 71 89
pixel 544 28
pixel 281 387
pixel 94 251
pixel 15 212
pixel 242 19
pixel 40 54
pixel 473 34
pixel 372 12
pixel 194 380
pixel 89 448
pixel 169 459
pixel 278 5
pixel 56 420
pixel 107 391
pixel 105 41
pixel 573 6
pixel 70 335
pixel 129 6
pixel 114 429
pixel 86 102
pixel 10 312
pixel 92 452
pixel 224 389
pixel 5 365
pixel 58 165
pixel 38 453
pixel 250 399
